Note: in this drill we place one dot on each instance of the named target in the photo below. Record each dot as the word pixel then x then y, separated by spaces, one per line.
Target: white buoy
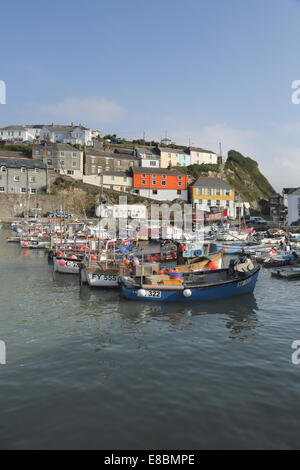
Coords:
pixel 187 293
pixel 141 293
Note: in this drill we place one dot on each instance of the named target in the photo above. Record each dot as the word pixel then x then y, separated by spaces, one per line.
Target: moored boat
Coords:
pixel 287 272
pixel 201 286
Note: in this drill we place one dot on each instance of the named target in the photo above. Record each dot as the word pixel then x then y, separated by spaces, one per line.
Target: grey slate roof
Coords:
pixel 12 128
pixel 11 162
pixel 170 150
pixel 199 149
pixel 117 156
pixel 210 182
pixel 117 173
pixel 296 192
pixel 62 128
pixel 56 146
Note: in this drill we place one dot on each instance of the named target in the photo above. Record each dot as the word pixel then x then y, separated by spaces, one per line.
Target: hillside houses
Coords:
pixel 148 171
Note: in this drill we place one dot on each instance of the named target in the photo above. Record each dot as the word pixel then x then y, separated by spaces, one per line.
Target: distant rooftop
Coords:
pixel 21 162
pixel 210 182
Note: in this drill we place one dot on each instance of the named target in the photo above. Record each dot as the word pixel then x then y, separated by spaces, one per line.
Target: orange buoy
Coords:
pixel 212 266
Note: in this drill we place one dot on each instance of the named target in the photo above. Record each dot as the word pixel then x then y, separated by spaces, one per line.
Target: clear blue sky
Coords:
pixel 211 71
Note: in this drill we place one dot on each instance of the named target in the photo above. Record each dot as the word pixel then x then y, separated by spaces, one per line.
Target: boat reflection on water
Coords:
pixel 240 316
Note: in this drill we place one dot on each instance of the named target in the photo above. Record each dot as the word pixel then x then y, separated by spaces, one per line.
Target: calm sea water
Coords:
pixel 88 370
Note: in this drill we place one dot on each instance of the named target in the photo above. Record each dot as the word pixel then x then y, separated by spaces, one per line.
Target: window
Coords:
pixel 48 153
pixel 164 177
pixel 180 177
pixel 93 169
pixel 32 179
pixel 152 163
pixel 153 176
pixel 1 189
pixel 37 152
pixel 112 178
pixel 178 191
pixel 23 190
pixel 93 159
pixel 209 202
pixel 217 202
pixel 119 162
pixel 62 154
pixel 227 203
pixel 62 162
pixel 3 168
pixel 144 175
pixel 209 191
pixel 49 162
pixel 32 190
pixel 74 163
pixel 99 170
pixel 70 172
pixel 16 178
pixel 227 192
pixel 154 191
pixel 199 191
pixel 143 181
pixel 218 192
pixel 74 155
pixel 200 201
pixel 163 183
pixel 125 179
pixel 153 183
pixel 37 170
pixel 179 183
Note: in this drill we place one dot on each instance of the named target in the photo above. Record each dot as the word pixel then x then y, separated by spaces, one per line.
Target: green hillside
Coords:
pixel 242 173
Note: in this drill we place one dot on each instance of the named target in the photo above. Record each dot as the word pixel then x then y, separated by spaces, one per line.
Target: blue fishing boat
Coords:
pixel 240 278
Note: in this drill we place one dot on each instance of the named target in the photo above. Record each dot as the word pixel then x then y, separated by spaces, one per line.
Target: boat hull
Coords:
pixel 70 266
pixel 233 288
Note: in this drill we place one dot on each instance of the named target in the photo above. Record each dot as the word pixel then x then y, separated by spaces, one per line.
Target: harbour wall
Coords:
pixel 16 205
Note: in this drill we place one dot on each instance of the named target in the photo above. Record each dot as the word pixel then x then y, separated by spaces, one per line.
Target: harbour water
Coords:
pixel 87 370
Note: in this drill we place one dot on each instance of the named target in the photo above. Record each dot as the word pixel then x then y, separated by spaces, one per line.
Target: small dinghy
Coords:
pixel 240 278
pixel 287 272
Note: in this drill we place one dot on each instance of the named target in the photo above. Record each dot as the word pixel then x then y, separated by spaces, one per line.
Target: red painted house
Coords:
pixel 160 183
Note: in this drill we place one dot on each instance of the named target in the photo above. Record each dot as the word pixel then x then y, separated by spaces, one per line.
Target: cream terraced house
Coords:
pixel 168 157
pixel 200 156
pixel 117 180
